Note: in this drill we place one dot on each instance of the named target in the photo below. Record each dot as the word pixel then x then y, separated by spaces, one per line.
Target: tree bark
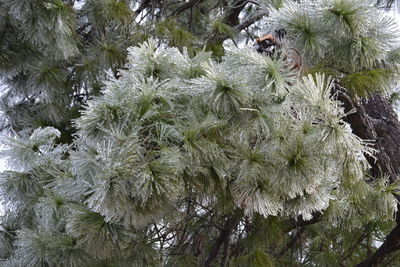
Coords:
pixel 382 132
pixel 376 120
pixel 387 128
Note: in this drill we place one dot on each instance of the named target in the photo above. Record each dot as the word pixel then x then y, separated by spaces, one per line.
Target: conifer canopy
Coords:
pixel 151 133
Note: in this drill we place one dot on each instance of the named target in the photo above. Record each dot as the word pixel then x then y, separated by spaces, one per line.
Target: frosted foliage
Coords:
pixel 99 239
pixel 38 150
pixel 37 247
pixel 268 74
pixel 276 145
pixel 47 24
pixel 346 35
pixel 281 145
pixel 179 149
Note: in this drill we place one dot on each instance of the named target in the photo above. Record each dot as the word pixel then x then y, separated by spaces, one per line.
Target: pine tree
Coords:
pixel 137 137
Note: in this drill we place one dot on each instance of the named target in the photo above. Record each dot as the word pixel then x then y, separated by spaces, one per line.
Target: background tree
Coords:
pixel 184 157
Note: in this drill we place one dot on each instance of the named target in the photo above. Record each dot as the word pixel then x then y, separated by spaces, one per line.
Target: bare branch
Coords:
pixel 249 22
pixel 230 223
pixel 186 6
pixel 292 224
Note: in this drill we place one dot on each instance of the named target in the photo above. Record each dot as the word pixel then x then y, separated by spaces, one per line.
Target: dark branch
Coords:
pixel 143 5
pixel 292 224
pixel 224 235
pixel 232 14
pixel 356 244
pixel 83 27
pixel 232 19
pixel 248 22
pixel 225 251
pixel 292 242
pixel 391 244
pixel 186 6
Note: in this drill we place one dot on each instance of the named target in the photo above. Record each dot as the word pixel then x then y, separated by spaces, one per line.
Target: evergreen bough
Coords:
pixel 176 142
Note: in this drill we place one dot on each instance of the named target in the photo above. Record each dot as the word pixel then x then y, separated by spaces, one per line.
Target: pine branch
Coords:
pixel 359 240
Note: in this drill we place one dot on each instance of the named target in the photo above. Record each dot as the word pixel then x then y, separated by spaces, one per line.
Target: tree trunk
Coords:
pixel 375 119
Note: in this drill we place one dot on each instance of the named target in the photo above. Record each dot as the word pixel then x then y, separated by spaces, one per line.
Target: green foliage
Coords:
pixel 220 27
pixel 258 258
pixel 176 35
pixel 108 53
pixel 347 16
pixel 36 248
pixel 109 11
pixel 160 154
pixel 368 81
pixel 155 133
